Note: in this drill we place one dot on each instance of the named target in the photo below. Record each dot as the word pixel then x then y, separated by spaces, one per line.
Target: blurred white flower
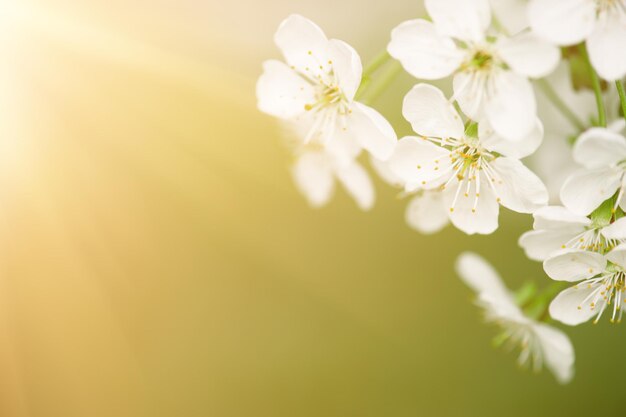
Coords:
pixel 426 211
pixel 601 23
pixel 490 70
pixel 557 228
pixel 602 152
pixel 553 161
pixel 319 83
pixel 319 167
pixel 601 288
pixel 475 172
pixel 540 343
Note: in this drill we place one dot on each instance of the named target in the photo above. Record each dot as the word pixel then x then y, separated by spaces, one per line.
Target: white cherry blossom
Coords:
pixel 557 228
pixel 490 70
pixel 602 153
pixel 600 23
pixel 540 343
pixel 475 174
pixel 319 82
pixel 601 287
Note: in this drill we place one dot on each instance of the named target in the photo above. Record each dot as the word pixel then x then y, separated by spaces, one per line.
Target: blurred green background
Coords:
pixel 156 259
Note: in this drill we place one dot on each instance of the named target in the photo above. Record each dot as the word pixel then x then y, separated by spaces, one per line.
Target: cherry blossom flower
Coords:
pixel 602 153
pixel 557 228
pixel 601 286
pixel 318 84
pixel 490 71
pixel 476 172
pixel 600 23
pixel 540 343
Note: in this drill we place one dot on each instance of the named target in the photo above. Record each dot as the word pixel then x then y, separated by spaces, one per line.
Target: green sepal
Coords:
pixel 602 216
pixel 525 294
pixel 471 130
pixel 500 339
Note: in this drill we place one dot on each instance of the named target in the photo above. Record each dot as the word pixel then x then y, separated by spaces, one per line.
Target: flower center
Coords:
pixel 326 96
pixel 608 291
pixel 469 166
pixel 330 108
pixel 481 58
pixel 608 5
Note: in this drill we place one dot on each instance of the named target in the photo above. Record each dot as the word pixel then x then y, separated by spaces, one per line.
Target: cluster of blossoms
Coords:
pixel 511 66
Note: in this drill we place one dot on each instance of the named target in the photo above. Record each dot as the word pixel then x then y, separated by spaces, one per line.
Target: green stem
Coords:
pixel 380 84
pixel 595 82
pixel 538 308
pixel 366 79
pixel 376 63
pixel 622 96
pixel 560 105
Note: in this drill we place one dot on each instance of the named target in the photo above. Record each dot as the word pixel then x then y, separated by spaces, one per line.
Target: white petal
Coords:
pixel 568 306
pixel 609 37
pixel 559 218
pixel 358 184
pixel 617 126
pixel 484 220
pixel 616 230
pixel 558 351
pixel 426 213
pixel 584 190
pixel 518 188
pixel 481 277
pixel 414 158
pixel 281 92
pixel 564 22
pixel 304 45
pixel 469 91
pixel 462 19
pixel 574 265
pixel 528 55
pixel 511 109
pixel 514 149
pixel 431 114
pixel 540 244
pixel 372 131
pixel 422 51
pixel 511 14
pixel 618 255
pixel 343 148
pixel 313 176
pixel 385 172
pixel 347 67
pixel 598 147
